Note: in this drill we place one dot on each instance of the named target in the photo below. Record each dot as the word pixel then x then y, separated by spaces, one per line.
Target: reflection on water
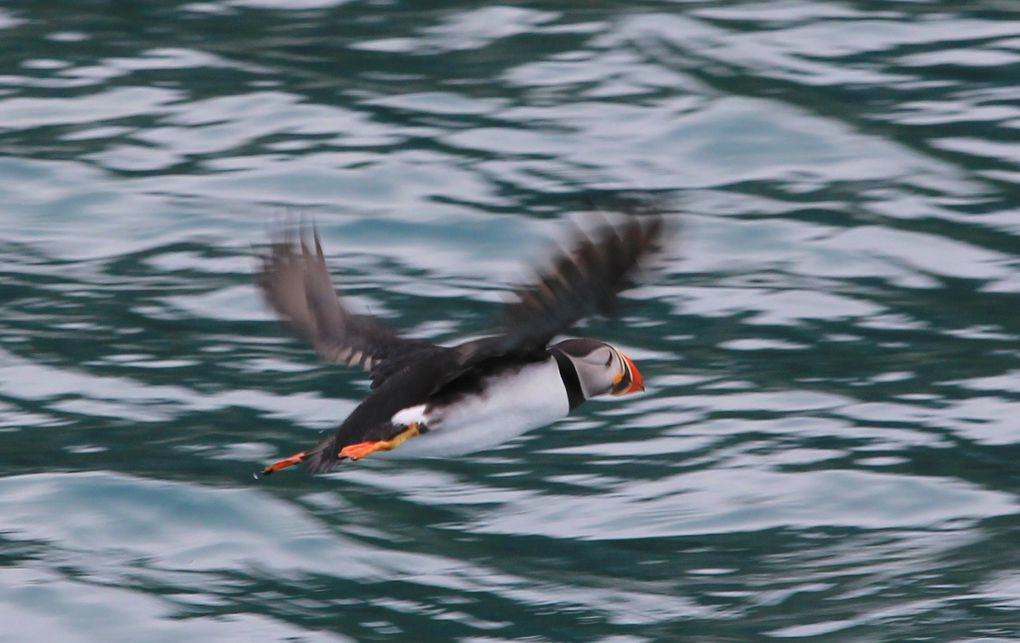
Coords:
pixel 828 446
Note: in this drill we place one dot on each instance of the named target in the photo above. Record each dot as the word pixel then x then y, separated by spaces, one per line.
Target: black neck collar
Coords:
pixel 568 373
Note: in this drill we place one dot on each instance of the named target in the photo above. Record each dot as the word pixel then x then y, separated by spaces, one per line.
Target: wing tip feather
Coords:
pixel 587 277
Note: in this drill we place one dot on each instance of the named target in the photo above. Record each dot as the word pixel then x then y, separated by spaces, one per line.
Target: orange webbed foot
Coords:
pixel 362 449
pixel 297 458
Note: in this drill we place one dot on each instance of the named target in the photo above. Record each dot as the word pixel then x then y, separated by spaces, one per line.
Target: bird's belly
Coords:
pixel 532 397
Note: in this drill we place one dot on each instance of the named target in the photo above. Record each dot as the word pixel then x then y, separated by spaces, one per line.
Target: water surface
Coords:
pixel 828 449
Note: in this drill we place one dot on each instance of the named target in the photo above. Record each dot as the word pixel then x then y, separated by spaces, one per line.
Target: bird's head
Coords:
pixel 601 368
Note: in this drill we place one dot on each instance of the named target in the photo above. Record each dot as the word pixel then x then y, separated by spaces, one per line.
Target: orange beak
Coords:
pixel 630 381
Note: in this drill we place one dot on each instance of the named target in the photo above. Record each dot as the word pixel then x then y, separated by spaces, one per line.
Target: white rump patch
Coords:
pixel 409 416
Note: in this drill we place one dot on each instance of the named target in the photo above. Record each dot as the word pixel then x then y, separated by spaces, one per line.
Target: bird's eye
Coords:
pixel 610 360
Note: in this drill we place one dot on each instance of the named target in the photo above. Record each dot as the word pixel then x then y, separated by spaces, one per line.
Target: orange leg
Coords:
pixel 297 458
pixel 362 449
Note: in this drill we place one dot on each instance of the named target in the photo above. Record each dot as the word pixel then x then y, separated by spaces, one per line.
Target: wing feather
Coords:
pixel 295 281
pixel 583 281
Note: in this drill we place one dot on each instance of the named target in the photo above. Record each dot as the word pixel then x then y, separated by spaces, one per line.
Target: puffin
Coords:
pixel 436 401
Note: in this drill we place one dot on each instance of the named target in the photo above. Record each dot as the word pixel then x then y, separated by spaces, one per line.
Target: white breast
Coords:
pixel 509 406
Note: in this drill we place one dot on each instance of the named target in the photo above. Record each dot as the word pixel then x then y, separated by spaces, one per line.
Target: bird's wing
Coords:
pixel 583 281
pixel 295 281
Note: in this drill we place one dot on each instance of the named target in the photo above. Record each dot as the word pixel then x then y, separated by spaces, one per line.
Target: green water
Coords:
pixel 829 447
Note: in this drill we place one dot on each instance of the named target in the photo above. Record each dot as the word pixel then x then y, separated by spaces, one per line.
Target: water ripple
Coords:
pixel 827 447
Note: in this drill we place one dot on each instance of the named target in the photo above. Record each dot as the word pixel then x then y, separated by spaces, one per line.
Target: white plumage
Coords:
pixel 508 406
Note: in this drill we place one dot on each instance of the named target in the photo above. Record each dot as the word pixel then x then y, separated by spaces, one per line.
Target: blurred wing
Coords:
pixel 295 281
pixel 576 284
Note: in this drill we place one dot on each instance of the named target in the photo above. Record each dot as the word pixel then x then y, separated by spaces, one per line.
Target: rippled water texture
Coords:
pixel 829 447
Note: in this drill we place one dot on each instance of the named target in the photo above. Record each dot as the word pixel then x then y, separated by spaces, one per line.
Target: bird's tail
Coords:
pixel 324 456
pixel 319 459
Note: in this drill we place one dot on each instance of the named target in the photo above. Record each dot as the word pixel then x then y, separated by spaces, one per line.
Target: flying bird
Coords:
pixel 428 399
